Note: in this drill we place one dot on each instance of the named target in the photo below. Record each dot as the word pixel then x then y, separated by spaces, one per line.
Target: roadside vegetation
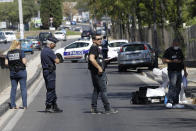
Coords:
pixel 36 33
pixel 144 13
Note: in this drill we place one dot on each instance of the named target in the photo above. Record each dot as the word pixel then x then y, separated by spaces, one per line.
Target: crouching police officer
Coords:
pixel 48 60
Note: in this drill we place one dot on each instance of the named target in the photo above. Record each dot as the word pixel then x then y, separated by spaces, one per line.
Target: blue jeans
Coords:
pixel 99 83
pixel 21 77
pixel 50 80
pixel 175 79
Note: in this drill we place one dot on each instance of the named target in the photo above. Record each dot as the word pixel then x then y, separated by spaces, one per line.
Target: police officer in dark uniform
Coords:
pixel 48 61
pixel 16 61
pixel 104 46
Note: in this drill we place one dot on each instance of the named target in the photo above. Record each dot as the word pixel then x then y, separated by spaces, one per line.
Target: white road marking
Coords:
pixel 19 113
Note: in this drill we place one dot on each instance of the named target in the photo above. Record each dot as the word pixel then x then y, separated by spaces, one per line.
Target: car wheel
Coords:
pixel 32 52
pixel 86 57
pixel 60 58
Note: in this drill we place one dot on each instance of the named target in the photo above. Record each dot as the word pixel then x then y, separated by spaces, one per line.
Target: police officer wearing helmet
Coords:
pixel 16 61
pixel 48 61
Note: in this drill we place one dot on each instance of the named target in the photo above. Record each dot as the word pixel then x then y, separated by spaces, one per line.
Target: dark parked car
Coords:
pixel 135 54
pixel 43 36
pixel 86 34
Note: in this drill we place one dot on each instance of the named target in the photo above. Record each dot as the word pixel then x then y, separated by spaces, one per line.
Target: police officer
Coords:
pixel 16 61
pixel 48 60
pixel 98 76
pixel 104 46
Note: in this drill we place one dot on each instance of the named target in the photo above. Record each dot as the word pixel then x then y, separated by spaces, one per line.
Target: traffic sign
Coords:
pixel 6 0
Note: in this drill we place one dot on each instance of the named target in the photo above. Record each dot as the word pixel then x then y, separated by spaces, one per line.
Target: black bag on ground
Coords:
pixel 139 97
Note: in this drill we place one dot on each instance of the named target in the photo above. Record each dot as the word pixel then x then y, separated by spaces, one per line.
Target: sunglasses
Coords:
pixel 99 39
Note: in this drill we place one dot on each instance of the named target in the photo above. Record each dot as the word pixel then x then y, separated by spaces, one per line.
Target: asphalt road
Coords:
pixel 74 88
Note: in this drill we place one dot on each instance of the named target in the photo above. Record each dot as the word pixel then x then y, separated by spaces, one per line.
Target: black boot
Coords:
pixel 56 109
pixel 48 108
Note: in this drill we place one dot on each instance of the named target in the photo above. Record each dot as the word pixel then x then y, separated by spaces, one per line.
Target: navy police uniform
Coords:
pixel 49 74
pixel 104 48
pixel 17 74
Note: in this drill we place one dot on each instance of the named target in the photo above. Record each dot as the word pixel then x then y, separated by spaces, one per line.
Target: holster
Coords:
pixel 51 68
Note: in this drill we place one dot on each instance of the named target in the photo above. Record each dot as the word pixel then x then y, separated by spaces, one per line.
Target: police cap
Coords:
pixel 52 40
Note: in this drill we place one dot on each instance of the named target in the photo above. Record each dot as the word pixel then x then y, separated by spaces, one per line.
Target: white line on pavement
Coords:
pixel 12 122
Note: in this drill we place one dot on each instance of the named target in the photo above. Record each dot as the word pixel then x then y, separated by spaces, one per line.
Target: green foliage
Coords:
pixel 56 12
pixel 9 11
pixel 45 13
pixel 69 32
pixel 176 11
pixel 51 8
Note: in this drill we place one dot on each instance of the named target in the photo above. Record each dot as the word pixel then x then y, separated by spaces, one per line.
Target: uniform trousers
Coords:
pixel 50 80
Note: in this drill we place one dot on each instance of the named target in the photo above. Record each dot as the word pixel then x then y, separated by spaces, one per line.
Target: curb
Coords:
pixel 5 106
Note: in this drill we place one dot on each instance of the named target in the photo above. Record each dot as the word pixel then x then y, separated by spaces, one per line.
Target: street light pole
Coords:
pixel 155 34
pixel 21 19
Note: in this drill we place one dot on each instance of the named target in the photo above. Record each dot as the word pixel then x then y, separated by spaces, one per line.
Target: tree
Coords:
pixel 51 9
pixel 56 12
pixel 45 13
pixel 68 10
pixel 9 11
pixel 30 9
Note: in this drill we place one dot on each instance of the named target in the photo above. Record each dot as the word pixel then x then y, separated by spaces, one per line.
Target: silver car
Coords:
pixel 135 54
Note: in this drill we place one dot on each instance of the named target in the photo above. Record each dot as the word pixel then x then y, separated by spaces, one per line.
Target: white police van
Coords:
pixel 114 48
pixel 75 51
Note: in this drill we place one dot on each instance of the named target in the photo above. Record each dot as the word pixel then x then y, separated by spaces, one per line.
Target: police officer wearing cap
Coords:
pixel 48 61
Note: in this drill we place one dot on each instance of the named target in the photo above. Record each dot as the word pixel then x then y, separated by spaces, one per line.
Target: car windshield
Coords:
pixel 9 33
pixel 85 32
pixel 134 47
pixel 116 44
pixel 44 35
pixel 58 33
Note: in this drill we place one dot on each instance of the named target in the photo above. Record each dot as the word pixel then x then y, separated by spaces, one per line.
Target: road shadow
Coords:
pixel 150 107
pixel 177 122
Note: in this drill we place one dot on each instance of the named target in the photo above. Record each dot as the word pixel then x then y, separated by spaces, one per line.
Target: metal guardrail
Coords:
pixel 4 74
pixel 2 62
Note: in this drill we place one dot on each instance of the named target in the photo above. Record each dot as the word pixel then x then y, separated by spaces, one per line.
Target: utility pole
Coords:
pixel 21 19
pixel 155 33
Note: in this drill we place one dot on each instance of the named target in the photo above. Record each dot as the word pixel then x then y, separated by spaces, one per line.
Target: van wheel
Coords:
pixel 60 58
